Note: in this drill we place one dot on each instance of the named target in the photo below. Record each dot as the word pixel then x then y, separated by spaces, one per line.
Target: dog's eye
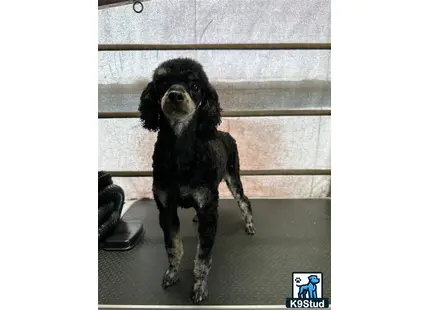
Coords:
pixel 161 86
pixel 195 87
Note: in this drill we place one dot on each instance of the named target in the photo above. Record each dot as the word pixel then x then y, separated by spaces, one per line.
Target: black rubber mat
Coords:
pixel 292 236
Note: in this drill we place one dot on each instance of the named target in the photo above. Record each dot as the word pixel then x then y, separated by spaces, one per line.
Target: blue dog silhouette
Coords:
pixel 309 289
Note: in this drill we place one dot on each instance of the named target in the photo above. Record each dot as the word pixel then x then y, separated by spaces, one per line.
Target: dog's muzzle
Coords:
pixel 177 102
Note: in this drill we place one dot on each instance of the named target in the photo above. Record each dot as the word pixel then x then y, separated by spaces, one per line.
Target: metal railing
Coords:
pixel 260 172
pixel 239 113
pixel 216 46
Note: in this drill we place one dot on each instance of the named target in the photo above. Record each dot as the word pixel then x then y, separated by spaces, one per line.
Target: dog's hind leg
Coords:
pixel 302 291
pixel 208 225
pixel 169 223
pixel 235 186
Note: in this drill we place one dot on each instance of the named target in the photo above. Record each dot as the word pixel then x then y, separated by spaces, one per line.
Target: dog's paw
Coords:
pixel 170 277
pixel 250 229
pixel 195 218
pixel 200 292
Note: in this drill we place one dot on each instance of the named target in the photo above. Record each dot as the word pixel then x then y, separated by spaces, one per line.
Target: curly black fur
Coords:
pixel 191 157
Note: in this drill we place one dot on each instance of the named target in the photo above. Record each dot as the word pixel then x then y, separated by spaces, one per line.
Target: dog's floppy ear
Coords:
pixel 149 108
pixel 209 112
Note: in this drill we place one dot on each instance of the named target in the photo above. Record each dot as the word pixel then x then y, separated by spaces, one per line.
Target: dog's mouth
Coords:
pixel 174 109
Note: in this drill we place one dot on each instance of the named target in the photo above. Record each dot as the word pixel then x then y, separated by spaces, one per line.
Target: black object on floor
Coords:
pixel 292 236
pixel 126 236
pixel 115 234
pixel 110 203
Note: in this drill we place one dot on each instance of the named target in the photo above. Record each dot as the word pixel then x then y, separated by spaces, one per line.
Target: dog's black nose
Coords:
pixel 176 96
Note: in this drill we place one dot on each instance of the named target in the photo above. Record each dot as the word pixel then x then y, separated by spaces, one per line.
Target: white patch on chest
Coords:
pixel 178 127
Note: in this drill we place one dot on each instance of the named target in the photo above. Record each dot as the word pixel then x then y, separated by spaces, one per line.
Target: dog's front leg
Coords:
pixel 208 223
pixel 313 293
pixel 169 223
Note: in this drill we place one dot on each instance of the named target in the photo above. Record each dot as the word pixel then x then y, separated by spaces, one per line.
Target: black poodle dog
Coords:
pixel 191 157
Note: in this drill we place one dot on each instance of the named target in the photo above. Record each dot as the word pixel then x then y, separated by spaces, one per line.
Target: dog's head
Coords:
pixel 314 279
pixel 180 92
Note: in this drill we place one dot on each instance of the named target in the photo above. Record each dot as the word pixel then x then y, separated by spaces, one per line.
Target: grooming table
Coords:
pixel 247 272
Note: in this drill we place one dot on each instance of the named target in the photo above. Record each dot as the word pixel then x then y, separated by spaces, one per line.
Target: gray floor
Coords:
pixel 292 236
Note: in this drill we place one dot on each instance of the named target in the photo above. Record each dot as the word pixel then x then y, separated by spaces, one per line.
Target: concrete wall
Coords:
pixel 244 80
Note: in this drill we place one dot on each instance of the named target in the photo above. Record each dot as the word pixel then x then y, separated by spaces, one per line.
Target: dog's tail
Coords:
pixel 232 178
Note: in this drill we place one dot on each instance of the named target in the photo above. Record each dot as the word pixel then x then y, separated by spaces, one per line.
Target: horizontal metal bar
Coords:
pixel 104 4
pixel 239 113
pixel 215 46
pixel 280 172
